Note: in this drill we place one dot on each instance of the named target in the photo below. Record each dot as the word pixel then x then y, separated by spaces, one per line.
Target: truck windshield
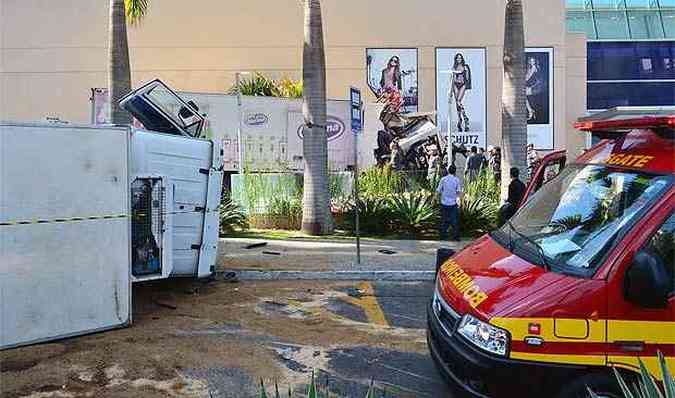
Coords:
pixel 576 217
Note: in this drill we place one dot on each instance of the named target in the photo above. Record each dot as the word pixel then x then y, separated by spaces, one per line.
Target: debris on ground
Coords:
pixel 255 245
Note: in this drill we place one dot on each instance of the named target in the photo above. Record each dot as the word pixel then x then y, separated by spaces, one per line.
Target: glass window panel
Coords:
pixel 611 24
pixel 669 22
pixel 579 4
pixel 608 95
pixel 645 25
pixel 631 60
pixel 581 21
pixel 641 4
pixel 608 4
pixel 667 3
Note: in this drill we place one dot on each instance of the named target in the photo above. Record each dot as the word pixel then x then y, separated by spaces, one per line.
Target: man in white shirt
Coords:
pixel 450 190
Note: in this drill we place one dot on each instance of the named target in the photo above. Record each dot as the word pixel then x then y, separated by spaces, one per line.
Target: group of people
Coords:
pixel 450 187
pixel 479 160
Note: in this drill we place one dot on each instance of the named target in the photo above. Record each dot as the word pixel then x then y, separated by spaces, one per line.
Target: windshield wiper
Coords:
pixel 540 250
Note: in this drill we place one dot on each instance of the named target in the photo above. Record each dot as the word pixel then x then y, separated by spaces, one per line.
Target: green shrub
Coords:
pixel 479 208
pixel 646 386
pixel 260 85
pixel 257 85
pixel 477 215
pixel 381 182
pixel 290 88
pixel 232 217
pixel 374 215
pixel 412 212
pixel 285 212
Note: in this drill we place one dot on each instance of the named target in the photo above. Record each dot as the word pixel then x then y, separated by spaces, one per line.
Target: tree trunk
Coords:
pixel 119 72
pixel 514 111
pixel 316 216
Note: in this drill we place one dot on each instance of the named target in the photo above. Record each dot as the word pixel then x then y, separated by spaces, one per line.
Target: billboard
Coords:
pixel 461 95
pixel 392 72
pixel 539 95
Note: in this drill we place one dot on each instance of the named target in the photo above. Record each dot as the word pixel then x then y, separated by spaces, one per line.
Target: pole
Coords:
pixel 240 145
pixel 356 193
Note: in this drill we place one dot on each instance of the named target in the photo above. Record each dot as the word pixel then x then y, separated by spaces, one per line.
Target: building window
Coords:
pixel 625 73
pixel 669 22
pixel 622 19
pixel 642 4
pixel 646 60
pixel 581 22
pixel 611 24
pixel 608 95
pixel 645 24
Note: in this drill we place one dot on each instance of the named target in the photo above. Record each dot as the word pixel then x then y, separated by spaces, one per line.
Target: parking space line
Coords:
pixel 368 302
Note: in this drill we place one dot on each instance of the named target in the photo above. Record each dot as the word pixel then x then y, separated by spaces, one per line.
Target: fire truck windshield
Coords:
pixel 573 221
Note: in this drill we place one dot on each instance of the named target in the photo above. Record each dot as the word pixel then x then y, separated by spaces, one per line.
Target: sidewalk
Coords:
pixel 308 259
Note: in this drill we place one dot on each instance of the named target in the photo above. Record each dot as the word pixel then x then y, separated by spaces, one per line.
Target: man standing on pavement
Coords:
pixel 473 165
pixel 450 191
pixel 516 193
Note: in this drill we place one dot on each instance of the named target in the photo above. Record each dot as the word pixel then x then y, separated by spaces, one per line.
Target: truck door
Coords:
pixel 634 330
pixel 210 233
pixel 549 167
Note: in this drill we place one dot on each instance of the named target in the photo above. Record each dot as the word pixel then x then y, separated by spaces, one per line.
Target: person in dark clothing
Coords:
pixel 516 192
pixel 473 165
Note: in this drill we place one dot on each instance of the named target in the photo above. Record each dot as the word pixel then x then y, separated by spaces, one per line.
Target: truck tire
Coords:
pixel 604 385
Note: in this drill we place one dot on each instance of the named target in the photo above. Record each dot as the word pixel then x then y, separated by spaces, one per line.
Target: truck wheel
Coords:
pixel 604 385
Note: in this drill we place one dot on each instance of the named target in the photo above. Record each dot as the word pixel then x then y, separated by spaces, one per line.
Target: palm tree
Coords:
pixel 316 216
pixel 514 110
pixel 119 71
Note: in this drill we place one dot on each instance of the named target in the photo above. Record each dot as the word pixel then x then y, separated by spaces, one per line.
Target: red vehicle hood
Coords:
pixel 487 280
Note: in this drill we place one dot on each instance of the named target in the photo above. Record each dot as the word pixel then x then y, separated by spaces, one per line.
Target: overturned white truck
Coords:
pixel 85 211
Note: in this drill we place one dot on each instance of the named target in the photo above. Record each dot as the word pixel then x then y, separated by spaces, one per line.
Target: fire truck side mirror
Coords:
pixel 647 283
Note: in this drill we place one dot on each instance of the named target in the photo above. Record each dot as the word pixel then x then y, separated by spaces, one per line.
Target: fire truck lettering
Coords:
pixel 471 291
pixel 463 282
pixel 643 162
pixel 477 299
pixel 622 159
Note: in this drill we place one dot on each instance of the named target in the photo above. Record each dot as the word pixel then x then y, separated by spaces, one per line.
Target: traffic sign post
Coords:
pixel 357 127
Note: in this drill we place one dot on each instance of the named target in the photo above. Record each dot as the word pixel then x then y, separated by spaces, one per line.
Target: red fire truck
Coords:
pixel 578 282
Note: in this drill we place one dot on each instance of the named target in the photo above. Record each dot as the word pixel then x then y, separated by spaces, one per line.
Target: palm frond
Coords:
pixel 136 10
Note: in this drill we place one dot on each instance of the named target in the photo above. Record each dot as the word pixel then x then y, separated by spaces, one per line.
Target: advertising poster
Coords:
pixel 539 94
pixel 461 95
pixel 392 75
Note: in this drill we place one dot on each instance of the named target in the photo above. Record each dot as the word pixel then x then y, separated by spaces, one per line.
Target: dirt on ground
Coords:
pixel 217 339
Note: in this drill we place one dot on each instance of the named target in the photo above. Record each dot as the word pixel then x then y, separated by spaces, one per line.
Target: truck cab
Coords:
pixel 578 282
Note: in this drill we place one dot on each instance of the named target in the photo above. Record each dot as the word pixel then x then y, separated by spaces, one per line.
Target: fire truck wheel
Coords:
pixel 604 385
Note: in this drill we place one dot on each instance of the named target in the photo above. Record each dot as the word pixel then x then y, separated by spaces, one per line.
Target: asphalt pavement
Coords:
pixel 220 339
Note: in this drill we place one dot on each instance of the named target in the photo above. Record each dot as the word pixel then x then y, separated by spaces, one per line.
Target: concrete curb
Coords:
pixel 396 276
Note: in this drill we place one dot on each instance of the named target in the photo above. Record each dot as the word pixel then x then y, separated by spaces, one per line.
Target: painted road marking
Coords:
pixel 368 302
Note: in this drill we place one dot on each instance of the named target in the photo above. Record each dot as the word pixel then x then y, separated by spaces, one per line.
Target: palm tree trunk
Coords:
pixel 119 72
pixel 514 110
pixel 316 216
